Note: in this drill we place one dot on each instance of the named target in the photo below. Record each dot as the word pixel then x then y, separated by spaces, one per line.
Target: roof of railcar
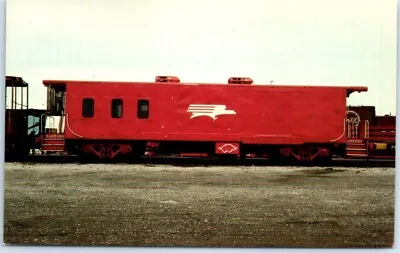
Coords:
pixel 15 81
pixel 349 89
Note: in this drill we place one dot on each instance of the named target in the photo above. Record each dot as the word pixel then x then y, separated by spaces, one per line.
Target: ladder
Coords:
pixel 356 148
pixel 52 143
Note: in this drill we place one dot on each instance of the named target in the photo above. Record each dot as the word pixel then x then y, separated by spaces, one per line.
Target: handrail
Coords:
pixel 69 128
pixel 343 134
pixel 366 129
pixel 352 129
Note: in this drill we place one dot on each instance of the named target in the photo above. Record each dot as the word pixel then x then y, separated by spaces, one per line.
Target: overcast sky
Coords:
pixel 307 42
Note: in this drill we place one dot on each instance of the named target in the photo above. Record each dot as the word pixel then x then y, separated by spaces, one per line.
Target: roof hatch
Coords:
pixel 240 80
pixel 167 79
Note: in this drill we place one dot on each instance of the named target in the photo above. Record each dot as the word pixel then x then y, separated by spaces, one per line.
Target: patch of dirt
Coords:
pixel 215 206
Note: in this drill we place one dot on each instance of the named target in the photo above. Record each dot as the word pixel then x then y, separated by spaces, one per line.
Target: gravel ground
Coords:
pixel 210 206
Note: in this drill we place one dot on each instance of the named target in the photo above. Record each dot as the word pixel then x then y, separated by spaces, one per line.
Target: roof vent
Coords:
pixel 240 80
pixel 167 79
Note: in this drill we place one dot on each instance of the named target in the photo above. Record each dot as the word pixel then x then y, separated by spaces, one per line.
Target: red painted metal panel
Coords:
pixel 382 138
pixel 382 128
pixel 388 134
pixel 226 113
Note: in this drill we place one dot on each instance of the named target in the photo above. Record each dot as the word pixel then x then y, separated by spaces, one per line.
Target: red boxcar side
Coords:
pixel 245 113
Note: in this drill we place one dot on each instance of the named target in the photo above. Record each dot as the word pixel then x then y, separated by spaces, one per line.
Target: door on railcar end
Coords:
pixel 53 134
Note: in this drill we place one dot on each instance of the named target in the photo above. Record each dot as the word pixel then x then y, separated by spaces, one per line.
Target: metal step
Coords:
pixel 53 145
pixel 356 155
pixel 355 145
pixel 356 149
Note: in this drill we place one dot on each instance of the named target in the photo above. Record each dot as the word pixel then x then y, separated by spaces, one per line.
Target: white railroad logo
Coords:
pixel 228 148
pixel 211 111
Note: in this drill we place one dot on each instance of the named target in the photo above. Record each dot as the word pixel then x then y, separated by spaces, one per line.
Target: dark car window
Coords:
pixel 116 108
pixel 143 109
pixel 87 107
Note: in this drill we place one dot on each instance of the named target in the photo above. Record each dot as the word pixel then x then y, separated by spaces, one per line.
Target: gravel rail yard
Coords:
pixel 200 206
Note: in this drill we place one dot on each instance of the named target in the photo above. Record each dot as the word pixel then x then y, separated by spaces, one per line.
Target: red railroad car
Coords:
pixel 113 119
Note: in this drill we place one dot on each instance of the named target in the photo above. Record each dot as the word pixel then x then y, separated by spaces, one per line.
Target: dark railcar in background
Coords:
pixel 22 125
pixel 381 132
